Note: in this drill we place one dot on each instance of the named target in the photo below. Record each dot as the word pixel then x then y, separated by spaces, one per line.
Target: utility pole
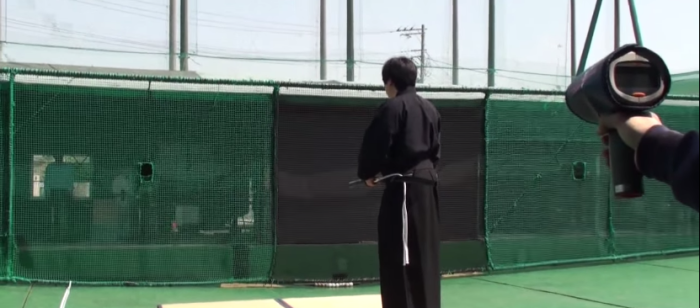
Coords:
pixel 350 41
pixel 323 39
pixel 572 37
pixel 172 61
pixel 184 35
pixel 410 32
pixel 455 43
pixel 491 82
pixel 2 31
pixel 616 42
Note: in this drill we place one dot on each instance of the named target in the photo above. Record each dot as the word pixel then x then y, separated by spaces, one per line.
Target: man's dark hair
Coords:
pixel 401 71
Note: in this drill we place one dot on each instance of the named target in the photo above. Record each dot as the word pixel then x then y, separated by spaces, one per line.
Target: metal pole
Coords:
pixel 455 43
pixel 589 37
pixel 184 35
pixel 2 31
pixel 350 41
pixel 422 53
pixel 573 37
pixel 173 36
pixel 492 44
pixel 323 40
pixel 635 22
pixel 617 24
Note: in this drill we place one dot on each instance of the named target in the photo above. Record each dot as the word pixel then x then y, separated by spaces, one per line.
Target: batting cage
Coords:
pixel 111 179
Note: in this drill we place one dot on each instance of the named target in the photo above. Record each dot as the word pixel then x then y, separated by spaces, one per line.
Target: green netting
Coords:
pixel 113 179
pixel 161 182
pixel 685 84
pixel 536 211
pixel 539 212
pixel 4 210
pixel 657 221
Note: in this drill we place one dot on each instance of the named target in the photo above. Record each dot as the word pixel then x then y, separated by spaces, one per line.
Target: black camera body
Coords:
pixel 632 80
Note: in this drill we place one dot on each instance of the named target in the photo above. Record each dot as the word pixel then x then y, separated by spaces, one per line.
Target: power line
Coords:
pixel 151 14
pixel 230 16
pixel 206 56
pixel 144 49
pixel 210 23
pixel 135 43
pixel 65 33
pixel 214 52
pixel 127 42
pixel 420 32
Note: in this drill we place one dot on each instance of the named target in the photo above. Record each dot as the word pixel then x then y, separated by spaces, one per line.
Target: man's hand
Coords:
pixel 630 128
pixel 370 182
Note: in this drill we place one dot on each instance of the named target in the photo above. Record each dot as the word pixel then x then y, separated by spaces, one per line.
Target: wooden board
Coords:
pixel 268 303
pixel 249 285
pixel 366 301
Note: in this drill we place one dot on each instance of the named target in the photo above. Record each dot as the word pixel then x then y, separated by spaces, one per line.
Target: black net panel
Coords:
pixel 319 138
pixel 142 182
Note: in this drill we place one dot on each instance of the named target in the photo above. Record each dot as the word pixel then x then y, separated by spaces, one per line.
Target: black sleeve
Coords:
pixel 671 157
pixel 438 144
pixel 378 139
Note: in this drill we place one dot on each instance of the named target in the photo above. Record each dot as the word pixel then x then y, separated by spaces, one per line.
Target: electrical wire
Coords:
pixel 151 14
pixel 132 45
pixel 87 36
pixel 139 46
pixel 211 23
pixel 206 56
pixel 308 27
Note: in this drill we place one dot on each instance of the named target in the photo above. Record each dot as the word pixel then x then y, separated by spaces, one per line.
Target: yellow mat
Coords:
pixel 366 301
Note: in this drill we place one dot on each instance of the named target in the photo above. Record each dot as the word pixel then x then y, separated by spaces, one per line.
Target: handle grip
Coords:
pixel 627 180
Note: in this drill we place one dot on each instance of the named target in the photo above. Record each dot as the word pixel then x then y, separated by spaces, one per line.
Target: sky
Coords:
pixel 279 39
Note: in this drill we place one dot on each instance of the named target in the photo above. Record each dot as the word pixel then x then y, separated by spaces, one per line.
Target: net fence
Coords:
pixel 140 180
pixel 547 188
pixel 151 180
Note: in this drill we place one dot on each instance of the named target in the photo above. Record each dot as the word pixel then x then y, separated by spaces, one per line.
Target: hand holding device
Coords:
pixel 632 80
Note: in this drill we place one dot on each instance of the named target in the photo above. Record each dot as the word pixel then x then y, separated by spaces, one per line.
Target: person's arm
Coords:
pixel 378 139
pixel 671 157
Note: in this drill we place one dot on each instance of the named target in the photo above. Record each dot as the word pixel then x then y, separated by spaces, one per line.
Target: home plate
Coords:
pixel 365 301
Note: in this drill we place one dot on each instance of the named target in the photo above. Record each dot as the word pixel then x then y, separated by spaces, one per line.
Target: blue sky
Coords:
pixel 278 39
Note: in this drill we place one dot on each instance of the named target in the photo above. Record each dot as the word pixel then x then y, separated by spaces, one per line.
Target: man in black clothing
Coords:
pixel 404 137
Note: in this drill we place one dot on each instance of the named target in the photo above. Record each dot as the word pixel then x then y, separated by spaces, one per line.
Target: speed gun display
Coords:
pixel 632 79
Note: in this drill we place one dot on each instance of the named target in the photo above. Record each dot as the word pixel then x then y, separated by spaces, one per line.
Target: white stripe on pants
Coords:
pixel 404 220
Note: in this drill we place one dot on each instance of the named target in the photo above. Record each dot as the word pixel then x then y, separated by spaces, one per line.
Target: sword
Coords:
pixel 377 180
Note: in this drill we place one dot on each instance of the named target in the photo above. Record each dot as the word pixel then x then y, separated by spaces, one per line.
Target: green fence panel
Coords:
pixel 142 181
pixel 537 210
pixel 657 223
pixel 4 210
pixel 548 198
